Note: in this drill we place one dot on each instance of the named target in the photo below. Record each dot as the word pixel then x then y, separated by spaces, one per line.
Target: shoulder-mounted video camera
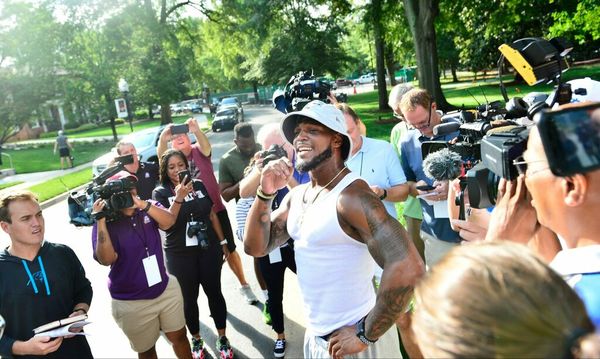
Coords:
pixel 300 90
pixel 115 193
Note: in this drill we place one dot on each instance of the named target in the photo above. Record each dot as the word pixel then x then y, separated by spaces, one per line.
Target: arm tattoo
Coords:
pixel 388 241
pixel 101 237
pixel 388 244
pixel 390 303
pixel 278 234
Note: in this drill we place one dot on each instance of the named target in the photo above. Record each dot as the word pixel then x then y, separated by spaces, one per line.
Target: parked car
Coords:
pixel 176 108
pixel 365 79
pixel 156 110
pixel 343 82
pixel 229 102
pixel 226 119
pixel 145 142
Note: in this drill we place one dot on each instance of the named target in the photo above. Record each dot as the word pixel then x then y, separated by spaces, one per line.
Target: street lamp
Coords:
pixel 124 88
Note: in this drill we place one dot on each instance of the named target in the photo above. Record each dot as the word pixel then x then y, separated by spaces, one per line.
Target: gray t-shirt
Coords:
pixel 62 141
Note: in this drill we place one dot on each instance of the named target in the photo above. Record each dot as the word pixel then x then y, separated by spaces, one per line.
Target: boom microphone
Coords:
pixel 443 165
pixel 446 128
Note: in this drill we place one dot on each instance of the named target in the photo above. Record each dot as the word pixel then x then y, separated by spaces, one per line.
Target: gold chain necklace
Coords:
pixel 305 206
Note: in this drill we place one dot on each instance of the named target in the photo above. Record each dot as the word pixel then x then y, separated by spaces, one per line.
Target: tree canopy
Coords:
pixel 68 54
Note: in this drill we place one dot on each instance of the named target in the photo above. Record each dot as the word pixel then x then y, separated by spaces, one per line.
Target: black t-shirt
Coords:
pixel 147 175
pixel 196 207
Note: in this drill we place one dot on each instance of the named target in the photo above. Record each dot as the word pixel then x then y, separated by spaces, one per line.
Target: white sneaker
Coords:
pixel 247 293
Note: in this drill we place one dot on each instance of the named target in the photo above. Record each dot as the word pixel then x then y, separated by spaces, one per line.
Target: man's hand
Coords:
pixel 275 175
pixel 345 342
pixel 165 135
pixel 192 124
pixel 37 346
pixel 513 218
pixel 377 190
pixel 469 231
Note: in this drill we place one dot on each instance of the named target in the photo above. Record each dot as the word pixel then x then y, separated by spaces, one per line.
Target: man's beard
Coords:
pixel 315 162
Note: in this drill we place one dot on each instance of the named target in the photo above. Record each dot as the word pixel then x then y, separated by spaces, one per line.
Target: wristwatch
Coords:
pixel 384 195
pixel 360 332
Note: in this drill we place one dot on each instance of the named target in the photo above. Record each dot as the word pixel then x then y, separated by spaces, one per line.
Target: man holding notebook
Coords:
pixel 40 283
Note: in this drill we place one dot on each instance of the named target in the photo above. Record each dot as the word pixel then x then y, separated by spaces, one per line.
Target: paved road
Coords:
pixel 249 336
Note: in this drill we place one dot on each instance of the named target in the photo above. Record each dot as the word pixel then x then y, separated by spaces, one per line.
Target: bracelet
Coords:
pixel 223 242
pixel 179 202
pixel 360 332
pixel 265 197
pixel 147 208
pixel 384 195
pixel 80 309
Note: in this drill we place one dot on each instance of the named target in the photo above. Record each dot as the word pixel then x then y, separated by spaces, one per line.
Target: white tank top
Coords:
pixel 334 270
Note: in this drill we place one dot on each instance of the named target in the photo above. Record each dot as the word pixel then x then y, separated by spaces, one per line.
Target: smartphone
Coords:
pixel 182 175
pixel 425 188
pixel 177 129
pixel 571 139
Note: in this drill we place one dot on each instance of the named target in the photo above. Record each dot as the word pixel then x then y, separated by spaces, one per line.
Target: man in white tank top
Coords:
pixel 337 224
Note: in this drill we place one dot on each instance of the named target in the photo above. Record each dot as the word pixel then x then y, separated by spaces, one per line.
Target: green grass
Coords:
pixel 9 184
pixel 59 185
pixel 41 158
pixel 122 129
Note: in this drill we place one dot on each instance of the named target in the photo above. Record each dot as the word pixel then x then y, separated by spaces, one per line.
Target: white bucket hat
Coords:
pixel 327 115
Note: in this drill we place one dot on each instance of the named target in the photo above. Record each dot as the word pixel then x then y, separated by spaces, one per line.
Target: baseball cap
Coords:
pixel 121 175
pixel 327 115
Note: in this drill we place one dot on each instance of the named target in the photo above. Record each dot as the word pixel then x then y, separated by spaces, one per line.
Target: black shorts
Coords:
pixel 64 152
pixel 227 230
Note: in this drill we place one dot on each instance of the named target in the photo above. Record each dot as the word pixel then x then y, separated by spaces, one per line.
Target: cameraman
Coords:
pixel 419 111
pixel 567 205
pixel 141 289
pixel 146 172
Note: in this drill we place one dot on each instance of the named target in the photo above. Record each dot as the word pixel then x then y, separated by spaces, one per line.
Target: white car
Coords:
pixel 365 79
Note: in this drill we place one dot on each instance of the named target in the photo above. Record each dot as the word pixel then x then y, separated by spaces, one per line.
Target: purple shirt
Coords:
pixel 202 169
pixel 130 236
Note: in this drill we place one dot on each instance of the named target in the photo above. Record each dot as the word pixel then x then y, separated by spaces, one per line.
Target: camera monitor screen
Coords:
pixel 571 139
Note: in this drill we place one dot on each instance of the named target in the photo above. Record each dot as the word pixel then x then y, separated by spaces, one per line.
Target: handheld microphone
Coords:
pixel 446 128
pixel 443 165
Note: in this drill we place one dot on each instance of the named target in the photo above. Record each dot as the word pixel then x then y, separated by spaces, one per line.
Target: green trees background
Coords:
pixel 71 54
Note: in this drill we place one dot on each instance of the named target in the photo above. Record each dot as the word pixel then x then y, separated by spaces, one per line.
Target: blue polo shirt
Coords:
pixel 378 164
pixel 412 164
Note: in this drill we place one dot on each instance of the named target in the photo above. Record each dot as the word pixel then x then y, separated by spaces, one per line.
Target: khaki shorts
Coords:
pixel 142 320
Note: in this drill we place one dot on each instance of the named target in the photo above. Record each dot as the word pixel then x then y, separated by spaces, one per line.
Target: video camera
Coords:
pixel 492 137
pixel 300 90
pixel 115 193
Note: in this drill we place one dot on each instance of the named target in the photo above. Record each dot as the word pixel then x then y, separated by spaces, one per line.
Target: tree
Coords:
pixel 421 16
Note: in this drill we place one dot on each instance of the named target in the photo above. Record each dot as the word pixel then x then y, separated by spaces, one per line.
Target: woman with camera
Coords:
pixel 195 248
